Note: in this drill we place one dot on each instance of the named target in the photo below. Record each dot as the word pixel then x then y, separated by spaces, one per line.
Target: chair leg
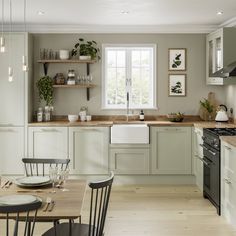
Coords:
pixel 29 229
pixel 80 219
pixel 70 227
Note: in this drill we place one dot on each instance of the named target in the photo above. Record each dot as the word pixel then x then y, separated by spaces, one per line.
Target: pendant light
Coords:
pixel 10 69
pixel 24 59
pixel 2 39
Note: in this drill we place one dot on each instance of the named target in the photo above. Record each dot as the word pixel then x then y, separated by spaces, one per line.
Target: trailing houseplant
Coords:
pixel 86 48
pixel 45 88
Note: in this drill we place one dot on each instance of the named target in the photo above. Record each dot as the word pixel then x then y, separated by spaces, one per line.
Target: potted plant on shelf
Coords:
pixel 88 50
pixel 45 89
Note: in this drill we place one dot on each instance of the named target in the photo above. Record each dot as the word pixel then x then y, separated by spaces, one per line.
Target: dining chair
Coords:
pixel 100 195
pixel 38 166
pixel 20 213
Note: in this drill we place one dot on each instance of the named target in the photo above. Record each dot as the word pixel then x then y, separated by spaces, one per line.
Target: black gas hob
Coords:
pixel 211 163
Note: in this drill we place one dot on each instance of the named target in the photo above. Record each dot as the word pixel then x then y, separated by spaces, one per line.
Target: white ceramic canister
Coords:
pixel 64 54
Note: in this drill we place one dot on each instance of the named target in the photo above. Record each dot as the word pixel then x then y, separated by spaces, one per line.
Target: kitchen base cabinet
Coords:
pixel 171 151
pixel 48 142
pixel 198 156
pixel 12 150
pixel 228 182
pixel 88 150
pixel 129 160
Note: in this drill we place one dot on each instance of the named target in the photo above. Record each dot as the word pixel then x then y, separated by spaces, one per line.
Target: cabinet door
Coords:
pixel 171 150
pixel 129 161
pixel 12 150
pixel 12 93
pixel 197 157
pixel 88 149
pixel 228 182
pixel 48 142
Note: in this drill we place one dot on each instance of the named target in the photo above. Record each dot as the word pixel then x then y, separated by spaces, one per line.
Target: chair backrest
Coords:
pixel 100 195
pixel 14 212
pixel 39 166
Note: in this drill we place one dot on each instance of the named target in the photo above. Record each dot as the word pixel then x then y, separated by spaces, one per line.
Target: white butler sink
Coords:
pixel 130 134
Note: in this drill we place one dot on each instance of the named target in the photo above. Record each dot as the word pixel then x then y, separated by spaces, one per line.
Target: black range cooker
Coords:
pixel 211 161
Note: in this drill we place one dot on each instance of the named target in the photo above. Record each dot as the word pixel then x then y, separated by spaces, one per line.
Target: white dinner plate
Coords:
pixel 13 200
pixel 33 180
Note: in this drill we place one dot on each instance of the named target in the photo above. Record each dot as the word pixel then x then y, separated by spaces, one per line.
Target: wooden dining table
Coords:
pixel 68 204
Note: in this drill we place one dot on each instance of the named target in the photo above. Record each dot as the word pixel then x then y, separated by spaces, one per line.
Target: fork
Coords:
pixel 48 201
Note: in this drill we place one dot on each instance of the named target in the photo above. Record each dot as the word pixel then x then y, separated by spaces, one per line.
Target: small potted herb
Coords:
pixel 87 50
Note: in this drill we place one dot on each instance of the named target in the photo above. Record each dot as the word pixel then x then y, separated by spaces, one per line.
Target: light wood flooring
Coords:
pixel 158 211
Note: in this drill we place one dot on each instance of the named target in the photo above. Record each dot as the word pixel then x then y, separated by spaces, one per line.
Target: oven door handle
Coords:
pixel 213 153
pixel 203 161
pixel 204 147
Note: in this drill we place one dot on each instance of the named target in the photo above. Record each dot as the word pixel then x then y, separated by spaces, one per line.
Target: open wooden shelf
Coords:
pixel 68 61
pixel 74 86
pixel 87 86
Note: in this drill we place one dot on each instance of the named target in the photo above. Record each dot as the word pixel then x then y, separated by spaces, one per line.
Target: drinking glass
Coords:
pixel 53 174
pixel 64 175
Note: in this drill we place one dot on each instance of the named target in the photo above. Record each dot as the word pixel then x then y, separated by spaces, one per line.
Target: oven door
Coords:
pixel 211 174
pixel 207 175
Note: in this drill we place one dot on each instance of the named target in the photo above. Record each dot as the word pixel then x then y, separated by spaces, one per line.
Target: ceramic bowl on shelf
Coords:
pixel 73 118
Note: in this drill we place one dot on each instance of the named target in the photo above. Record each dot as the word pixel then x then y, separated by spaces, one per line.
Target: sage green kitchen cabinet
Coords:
pixel 228 182
pixel 220 52
pixel 88 149
pixel 129 159
pixel 12 150
pixel 48 142
pixel 171 151
pixel 198 156
pixel 13 93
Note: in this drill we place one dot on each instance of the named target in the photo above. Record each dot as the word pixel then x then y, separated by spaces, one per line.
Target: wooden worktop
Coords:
pixel 229 139
pixel 108 123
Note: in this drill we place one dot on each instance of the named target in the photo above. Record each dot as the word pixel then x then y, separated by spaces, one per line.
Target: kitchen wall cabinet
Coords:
pixel 129 159
pixel 220 52
pixel 48 142
pixel 13 94
pixel 171 150
pixel 88 149
pixel 12 150
pixel 228 182
pixel 198 156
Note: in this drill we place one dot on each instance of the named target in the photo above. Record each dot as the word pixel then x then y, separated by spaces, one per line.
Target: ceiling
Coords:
pixel 107 13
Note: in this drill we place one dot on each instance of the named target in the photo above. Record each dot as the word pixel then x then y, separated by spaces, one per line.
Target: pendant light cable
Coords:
pixel 10 69
pixel 2 39
pixel 24 59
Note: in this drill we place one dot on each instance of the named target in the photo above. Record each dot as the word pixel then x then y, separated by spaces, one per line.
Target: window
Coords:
pixel 129 69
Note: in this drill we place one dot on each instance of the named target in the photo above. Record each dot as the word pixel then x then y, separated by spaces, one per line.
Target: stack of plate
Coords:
pixel 14 200
pixel 33 181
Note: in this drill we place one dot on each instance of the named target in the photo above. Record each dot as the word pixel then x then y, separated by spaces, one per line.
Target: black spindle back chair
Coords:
pixel 38 166
pixel 100 195
pixel 21 213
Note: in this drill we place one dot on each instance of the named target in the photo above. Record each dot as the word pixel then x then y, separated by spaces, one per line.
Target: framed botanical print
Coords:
pixel 177 85
pixel 177 59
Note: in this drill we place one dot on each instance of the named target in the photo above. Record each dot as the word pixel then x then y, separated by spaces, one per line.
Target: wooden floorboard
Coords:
pixel 158 211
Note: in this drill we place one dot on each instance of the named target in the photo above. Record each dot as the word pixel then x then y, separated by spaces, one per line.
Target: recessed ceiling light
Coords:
pixel 41 13
pixel 219 13
pixel 124 12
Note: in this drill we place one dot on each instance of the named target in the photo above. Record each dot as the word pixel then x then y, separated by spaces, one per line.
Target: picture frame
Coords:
pixel 177 59
pixel 177 85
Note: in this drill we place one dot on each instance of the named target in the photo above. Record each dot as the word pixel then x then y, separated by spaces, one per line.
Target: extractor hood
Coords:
pixel 226 72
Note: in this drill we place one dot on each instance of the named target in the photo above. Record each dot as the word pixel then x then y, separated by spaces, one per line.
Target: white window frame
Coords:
pixel 104 46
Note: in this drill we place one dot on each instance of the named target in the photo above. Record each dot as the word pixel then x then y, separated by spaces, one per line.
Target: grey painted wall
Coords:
pixel 230 92
pixel 70 100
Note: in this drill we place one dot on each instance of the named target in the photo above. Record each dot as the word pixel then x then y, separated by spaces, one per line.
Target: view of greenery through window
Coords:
pixel 135 63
